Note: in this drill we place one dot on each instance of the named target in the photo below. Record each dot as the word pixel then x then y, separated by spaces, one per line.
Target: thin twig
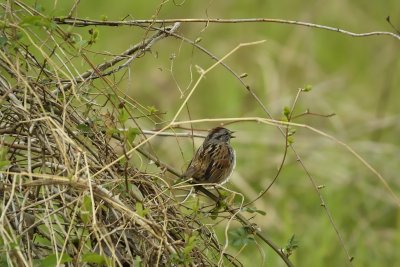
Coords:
pixel 88 22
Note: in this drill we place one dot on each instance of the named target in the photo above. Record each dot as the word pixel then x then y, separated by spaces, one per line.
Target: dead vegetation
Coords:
pixel 67 197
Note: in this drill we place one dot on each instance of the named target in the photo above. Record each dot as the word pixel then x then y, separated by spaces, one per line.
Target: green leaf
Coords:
pixel 140 210
pixel 51 260
pixel 286 112
pixel 240 237
pixel 123 116
pixel 83 127
pixel 111 131
pixel 43 241
pixel 138 261
pixel 291 131
pixel 93 258
pixel 135 192
pixel 86 209
pixel 254 210
pixel 307 88
pixel 37 21
pixel 152 109
pixel 291 246
pixel 190 243
pixel 131 134
pixel 94 35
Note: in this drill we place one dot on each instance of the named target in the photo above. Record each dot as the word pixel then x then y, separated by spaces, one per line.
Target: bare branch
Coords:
pixel 78 22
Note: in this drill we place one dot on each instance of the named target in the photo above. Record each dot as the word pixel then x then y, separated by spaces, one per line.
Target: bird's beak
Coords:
pixel 231 134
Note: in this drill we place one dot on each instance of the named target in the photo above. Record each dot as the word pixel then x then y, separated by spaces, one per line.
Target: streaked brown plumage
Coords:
pixel 214 160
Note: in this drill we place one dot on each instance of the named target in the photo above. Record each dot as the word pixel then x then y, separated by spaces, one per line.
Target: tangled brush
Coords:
pixel 67 196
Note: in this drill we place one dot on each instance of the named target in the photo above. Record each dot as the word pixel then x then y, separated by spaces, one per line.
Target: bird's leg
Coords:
pixel 219 193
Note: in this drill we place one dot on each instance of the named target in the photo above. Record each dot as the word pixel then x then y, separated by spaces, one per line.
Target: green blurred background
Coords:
pixel 355 78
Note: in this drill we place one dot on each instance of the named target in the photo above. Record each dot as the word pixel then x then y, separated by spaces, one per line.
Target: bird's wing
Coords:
pixel 206 166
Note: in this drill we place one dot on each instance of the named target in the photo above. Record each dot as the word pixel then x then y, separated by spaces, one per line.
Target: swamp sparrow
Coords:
pixel 215 159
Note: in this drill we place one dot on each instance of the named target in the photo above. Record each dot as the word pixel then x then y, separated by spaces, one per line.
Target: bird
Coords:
pixel 214 160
